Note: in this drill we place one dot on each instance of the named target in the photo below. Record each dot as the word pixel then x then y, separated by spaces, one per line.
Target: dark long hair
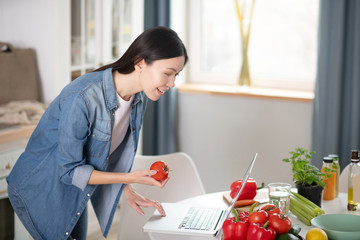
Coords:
pixel 153 44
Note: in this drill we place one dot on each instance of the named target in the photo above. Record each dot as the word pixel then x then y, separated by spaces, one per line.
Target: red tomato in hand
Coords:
pixel 271 209
pixel 258 217
pixel 162 170
pixel 280 222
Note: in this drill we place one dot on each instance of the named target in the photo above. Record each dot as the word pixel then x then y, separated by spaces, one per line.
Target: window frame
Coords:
pixel 198 76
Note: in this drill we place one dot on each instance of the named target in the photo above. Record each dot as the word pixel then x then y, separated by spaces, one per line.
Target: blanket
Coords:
pixel 21 112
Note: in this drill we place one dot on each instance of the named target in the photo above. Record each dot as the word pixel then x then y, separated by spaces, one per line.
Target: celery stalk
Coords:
pixel 303 208
pixel 304 199
pixel 308 211
pixel 300 216
pixel 301 211
pixel 309 203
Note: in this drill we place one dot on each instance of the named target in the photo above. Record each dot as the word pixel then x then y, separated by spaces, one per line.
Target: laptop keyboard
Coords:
pixel 200 218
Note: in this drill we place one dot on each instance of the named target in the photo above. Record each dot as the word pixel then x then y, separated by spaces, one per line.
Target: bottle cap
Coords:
pixel 354 155
pixel 334 156
pixel 328 159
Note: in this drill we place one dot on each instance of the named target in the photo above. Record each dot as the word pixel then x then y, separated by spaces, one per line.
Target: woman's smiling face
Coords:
pixel 156 78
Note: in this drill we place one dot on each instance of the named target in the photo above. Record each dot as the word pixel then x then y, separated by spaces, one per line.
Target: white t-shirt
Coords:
pixel 121 122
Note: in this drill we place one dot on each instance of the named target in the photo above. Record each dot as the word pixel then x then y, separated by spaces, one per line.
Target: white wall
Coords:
pixel 222 133
pixel 44 26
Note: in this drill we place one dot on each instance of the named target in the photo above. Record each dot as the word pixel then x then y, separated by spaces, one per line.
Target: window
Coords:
pixel 101 31
pixel 282 48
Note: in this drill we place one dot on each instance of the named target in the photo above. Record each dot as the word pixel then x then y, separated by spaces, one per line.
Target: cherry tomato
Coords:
pixel 280 222
pixel 162 170
pixel 271 209
pixel 260 216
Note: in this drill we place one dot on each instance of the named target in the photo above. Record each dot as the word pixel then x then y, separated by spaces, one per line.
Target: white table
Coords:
pixel 338 205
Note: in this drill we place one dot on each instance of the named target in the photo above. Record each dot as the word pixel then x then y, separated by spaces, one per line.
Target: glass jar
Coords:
pixel 329 190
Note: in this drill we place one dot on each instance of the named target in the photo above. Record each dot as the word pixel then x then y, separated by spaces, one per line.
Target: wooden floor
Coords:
pixel 94 232
pixel 111 236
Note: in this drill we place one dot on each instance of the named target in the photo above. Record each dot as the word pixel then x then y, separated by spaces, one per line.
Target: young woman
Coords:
pixel 84 145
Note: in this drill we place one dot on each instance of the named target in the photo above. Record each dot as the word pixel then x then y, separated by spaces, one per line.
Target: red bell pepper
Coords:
pixel 235 228
pixel 258 232
pixel 243 216
pixel 249 191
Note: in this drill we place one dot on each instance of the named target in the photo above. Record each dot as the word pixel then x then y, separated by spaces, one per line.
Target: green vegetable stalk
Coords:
pixel 303 208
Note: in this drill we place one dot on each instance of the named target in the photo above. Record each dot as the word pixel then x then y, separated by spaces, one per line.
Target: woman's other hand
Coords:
pixel 137 201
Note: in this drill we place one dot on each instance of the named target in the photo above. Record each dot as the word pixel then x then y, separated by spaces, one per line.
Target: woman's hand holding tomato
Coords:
pixel 156 176
pixel 145 177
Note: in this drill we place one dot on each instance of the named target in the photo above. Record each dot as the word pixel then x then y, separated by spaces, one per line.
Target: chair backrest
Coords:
pixel 343 187
pixel 184 182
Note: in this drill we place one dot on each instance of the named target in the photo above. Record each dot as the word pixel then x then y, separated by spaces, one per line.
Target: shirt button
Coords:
pixel 78 213
pixel 67 233
pixel 133 129
pixel 113 114
pixel 88 194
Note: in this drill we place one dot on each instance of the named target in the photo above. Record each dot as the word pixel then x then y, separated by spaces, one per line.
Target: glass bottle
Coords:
pixel 329 190
pixel 336 162
pixel 354 182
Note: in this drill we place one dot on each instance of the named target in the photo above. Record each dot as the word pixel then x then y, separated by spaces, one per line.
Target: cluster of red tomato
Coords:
pixel 262 224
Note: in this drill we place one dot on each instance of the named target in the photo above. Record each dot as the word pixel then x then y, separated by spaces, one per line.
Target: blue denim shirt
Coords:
pixel 73 138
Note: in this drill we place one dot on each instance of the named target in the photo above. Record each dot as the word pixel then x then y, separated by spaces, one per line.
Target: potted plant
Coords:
pixel 308 179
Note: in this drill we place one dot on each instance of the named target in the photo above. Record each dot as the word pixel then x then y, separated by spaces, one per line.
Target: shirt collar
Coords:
pixel 110 92
pixel 139 97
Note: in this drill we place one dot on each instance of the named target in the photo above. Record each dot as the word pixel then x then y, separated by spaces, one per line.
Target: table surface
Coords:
pixel 338 205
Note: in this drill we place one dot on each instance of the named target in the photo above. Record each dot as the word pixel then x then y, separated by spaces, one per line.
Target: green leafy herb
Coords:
pixel 305 173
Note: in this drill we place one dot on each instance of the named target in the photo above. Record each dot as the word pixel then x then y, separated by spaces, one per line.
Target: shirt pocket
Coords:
pixel 96 143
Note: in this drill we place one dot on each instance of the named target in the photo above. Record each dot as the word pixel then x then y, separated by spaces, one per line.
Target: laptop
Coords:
pixel 182 219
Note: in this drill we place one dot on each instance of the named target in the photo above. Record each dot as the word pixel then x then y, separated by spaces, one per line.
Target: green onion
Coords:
pixel 303 208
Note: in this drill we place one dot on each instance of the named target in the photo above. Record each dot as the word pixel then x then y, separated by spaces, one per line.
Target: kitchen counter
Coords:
pixel 16 132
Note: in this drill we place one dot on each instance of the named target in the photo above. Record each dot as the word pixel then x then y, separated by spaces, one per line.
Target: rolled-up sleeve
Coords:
pixel 81 176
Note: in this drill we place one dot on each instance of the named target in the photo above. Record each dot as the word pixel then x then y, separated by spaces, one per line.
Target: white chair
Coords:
pixel 343 187
pixel 184 182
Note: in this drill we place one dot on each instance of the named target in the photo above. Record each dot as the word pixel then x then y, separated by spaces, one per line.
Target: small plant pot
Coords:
pixel 313 192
